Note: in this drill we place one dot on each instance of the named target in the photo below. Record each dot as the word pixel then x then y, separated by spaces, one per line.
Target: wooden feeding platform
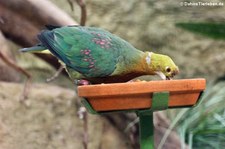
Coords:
pixel 138 95
pixel 144 98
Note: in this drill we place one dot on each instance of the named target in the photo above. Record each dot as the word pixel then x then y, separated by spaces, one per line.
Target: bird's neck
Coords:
pixel 143 63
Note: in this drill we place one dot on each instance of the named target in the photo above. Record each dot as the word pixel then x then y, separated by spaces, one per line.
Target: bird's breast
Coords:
pixel 115 79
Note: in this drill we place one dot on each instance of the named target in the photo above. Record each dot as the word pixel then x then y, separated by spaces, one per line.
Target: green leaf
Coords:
pixel 212 30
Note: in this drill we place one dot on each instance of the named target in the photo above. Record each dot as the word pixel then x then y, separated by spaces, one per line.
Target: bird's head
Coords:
pixel 161 65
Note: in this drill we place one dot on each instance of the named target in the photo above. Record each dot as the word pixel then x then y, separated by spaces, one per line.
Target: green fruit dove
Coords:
pixel 97 56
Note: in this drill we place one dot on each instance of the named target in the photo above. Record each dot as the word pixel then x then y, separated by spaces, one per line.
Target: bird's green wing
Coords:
pixel 90 51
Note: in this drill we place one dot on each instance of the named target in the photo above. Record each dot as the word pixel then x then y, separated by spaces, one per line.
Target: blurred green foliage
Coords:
pixel 213 30
pixel 204 126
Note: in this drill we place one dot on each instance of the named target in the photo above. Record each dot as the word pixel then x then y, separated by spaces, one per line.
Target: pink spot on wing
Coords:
pixel 102 43
pixel 91 66
pixel 86 52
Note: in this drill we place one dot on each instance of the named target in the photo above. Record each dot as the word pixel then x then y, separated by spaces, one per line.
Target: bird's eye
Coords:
pixel 168 69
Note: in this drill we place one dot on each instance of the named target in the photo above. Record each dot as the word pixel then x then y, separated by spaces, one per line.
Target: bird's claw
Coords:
pixel 82 82
pixel 169 78
pixel 136 80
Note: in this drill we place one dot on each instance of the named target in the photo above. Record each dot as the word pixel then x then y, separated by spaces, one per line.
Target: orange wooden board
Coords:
pixel 137 95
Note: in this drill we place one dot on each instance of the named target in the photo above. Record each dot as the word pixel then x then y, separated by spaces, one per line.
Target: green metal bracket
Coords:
pixel 199 98
pixel 146 129
pixel 160 101
pixel 88 106
pixel 146 126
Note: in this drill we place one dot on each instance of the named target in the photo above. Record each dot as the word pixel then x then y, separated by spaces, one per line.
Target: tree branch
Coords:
pixel 19 69
pixel 83 12
pixel 22 27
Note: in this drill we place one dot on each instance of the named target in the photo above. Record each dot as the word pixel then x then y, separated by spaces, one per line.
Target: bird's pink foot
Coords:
pixel 82 82
pixel 136 80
